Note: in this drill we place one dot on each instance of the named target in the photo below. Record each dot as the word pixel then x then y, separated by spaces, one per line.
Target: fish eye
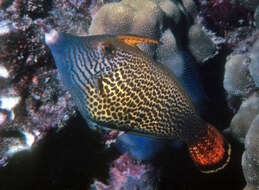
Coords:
pixel 107 49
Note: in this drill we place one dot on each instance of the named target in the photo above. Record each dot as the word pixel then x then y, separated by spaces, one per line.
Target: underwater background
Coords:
pixel 211 46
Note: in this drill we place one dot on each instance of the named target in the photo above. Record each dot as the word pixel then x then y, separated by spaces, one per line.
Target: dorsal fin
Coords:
pixel 132 40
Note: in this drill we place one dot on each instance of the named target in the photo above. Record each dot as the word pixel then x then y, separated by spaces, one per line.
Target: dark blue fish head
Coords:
pixel 73 54
pixel 69 53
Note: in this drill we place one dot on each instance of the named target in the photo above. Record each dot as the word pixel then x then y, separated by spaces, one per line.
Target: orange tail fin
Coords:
pixel 211 152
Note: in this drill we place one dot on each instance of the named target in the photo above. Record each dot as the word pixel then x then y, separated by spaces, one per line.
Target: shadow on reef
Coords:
pixel 68 159
pixel 212 75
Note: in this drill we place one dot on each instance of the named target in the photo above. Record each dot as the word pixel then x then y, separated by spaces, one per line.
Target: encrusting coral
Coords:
pixel 242 120
pixel 250 159
pixel 146 18
pixel 238 80
pixel 241 83
pixel 201 51
pixel 254 64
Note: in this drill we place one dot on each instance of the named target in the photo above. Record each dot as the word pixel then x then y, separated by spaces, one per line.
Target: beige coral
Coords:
pixel 242 120
pixel 128 17
pixel 250 159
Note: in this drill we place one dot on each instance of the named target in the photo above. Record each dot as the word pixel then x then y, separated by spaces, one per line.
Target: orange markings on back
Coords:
pixel 211 151
pixel 134 40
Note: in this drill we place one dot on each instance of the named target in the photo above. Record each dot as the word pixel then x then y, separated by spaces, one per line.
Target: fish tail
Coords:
pixel 211 152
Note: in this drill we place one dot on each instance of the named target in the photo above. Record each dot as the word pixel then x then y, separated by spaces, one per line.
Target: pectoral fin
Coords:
pixel 98 85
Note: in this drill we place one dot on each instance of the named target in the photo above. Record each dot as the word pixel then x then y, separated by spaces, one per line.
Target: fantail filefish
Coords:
pixel 116 85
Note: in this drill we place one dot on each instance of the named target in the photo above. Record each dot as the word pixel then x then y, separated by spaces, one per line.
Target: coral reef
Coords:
pixel 33 104
pixel 128 174
pixel 250 157
pixel 32 101
pixel 37 152
pixel 256 17
pixel 223 15
pixel 171 10
pixel 201 51
pixel 131 18
pixel 244 117
pixel 241 85
pixel 238 80
pixel 250 4
pixel 128 18
pixel 254 64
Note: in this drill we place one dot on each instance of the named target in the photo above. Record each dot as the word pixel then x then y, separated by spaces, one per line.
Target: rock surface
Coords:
pixel 250 159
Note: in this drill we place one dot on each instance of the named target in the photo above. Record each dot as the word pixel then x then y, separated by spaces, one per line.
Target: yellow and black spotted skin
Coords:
pixel 116 85
pixel 136 94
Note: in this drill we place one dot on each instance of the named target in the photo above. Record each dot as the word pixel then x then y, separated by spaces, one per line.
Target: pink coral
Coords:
pixel 122 168
pixel 126 172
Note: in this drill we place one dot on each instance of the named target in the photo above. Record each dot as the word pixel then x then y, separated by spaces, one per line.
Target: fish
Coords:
pixel 116 85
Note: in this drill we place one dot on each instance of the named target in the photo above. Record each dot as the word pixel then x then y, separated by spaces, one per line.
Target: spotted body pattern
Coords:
pixel 116 85
pixel 133 95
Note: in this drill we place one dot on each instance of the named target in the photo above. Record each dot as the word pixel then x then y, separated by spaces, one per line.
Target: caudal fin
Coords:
pixel 211 152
